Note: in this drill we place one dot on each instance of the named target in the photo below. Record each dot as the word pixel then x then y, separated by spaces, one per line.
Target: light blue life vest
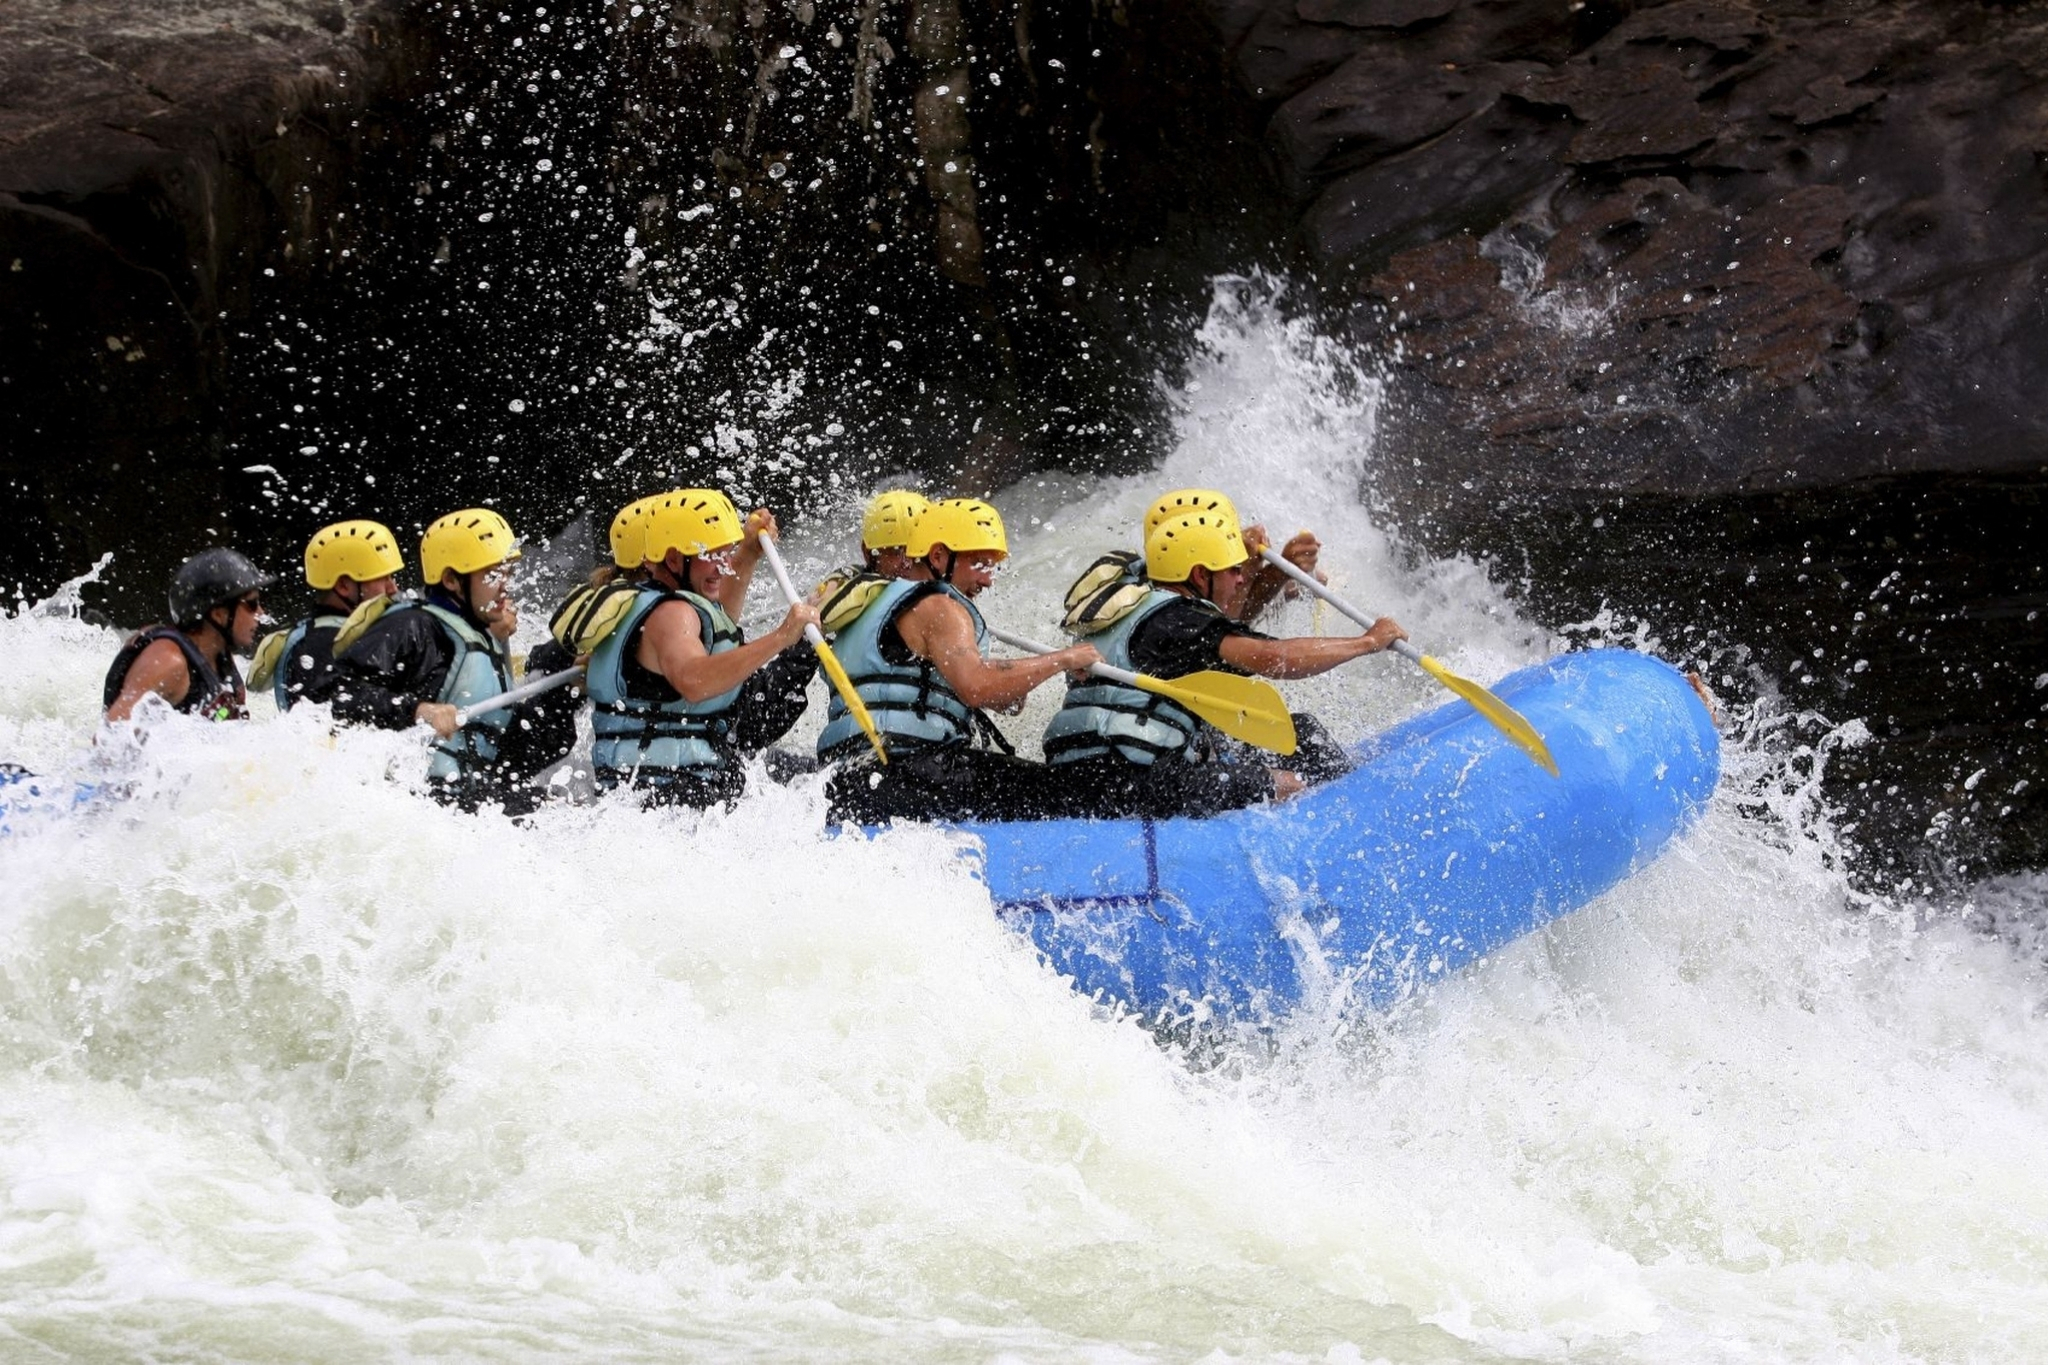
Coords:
pixel 290 651
pixel 481 668
pixel 1101 716
pixel 909 702
pixel 646 734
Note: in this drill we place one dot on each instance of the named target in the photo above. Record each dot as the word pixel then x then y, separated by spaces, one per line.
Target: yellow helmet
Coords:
pixel 629 534
pixel 474 538
pixel 887 521
pixel 695 521
pixel 362 550
pixel 1182 501
pixel 1197 540
pixel 962 525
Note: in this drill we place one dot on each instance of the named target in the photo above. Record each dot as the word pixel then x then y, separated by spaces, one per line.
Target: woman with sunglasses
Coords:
pixel 215 612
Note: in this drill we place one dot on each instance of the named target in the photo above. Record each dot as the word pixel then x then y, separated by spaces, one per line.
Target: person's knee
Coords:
pixel 1317 757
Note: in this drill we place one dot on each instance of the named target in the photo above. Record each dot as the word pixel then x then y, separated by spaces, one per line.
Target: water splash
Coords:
pixel 295 1063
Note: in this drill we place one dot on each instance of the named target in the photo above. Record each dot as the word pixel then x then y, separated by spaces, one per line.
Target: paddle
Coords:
pixel 834 670
pixel 1502 716
pixel 1249 709
pixel 533 687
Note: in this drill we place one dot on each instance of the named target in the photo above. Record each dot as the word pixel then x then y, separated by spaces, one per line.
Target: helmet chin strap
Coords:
pixel 226 634
pixel 465 599
pixel 672 579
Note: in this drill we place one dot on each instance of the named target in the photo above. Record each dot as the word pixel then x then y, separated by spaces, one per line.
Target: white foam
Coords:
pixel 296 1064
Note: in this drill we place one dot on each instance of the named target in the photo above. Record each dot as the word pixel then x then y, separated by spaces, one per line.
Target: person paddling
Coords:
pixel 1123 571
pixel 915 653
pixel 595 606
pixel 884 527
pixel 679 694
pixel 423 662
pixel 1141 754
pixel 346 564
pixel 216 608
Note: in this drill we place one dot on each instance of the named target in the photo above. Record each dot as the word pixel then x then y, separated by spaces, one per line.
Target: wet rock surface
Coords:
pixel 274 254
pixel 1807 240
pixel 1733 317
pixel 164 169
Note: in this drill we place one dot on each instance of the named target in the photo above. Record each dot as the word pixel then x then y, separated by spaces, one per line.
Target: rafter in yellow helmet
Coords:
pixel 886 523
pixel 962 525
pixel 695 521
pixel 1182 501
pixel 629 532
pixel 466 541
pixel 362 550
pixel 1198 540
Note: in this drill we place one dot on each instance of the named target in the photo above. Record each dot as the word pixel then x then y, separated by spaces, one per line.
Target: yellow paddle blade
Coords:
pixel 1249 709
pixel 1503 717
pixel 843 685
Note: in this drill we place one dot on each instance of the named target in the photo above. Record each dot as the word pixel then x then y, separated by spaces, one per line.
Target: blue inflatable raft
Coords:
pixel 1444 844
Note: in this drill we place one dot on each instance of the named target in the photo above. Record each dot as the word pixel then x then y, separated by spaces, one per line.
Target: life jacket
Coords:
pixel 1107 591
pixel 207 693
pixel 479 667
pixel 591 613
pixel 281 672
pixel 844 595
pixel 638 733
pixel 909 702
pixel 1101 716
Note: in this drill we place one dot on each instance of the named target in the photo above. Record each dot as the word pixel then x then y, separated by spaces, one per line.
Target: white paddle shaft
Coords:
pixel 526 690
pixel 1109 671
pixel 1308 580
pixel 775 566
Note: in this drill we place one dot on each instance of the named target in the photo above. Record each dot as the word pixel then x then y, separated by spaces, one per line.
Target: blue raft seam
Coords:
pixel 1148 900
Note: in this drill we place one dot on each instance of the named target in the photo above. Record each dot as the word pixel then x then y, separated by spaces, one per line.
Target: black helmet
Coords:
pixel 210 578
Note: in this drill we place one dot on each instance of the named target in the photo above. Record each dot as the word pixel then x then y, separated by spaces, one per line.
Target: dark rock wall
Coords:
pixel 166 172
pixel 1692 247
pixel 414 253
pixel 1730 317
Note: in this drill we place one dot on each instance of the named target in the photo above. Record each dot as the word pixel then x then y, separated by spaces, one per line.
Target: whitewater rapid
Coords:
pixel 296 1064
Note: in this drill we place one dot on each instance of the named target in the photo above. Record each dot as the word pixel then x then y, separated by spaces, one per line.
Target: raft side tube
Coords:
pixel 1446 843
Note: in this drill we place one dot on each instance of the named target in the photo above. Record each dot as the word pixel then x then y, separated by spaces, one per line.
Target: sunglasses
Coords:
pixel 254 605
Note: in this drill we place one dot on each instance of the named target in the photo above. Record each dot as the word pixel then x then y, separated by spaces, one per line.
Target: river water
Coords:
pixel 295 1064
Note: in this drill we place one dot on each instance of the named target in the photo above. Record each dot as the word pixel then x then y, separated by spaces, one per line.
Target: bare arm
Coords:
pixel 1307 655
pixel 1267 583
pixel 672 644
pixel 939 629
pixel 159 669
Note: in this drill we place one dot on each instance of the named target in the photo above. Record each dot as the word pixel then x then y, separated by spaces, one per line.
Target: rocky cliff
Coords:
pixel 1730 316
